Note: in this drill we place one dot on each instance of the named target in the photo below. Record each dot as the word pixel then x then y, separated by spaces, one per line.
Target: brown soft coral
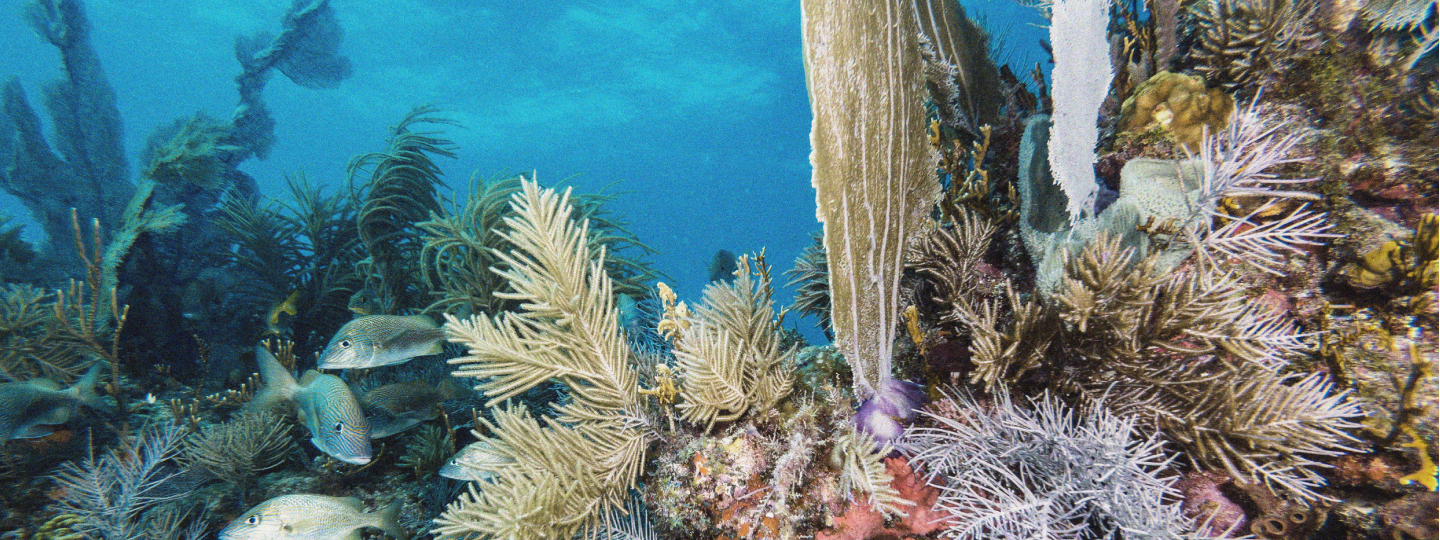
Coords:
pixel 1180 103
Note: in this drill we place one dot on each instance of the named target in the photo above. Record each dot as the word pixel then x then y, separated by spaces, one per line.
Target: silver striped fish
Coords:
pixel 326 406
pixel 26 408
pixel 312 517
pixel 382 340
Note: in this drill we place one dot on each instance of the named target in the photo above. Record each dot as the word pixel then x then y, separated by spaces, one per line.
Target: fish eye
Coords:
pixel 344 344
pixel 253 520
pixel 339 426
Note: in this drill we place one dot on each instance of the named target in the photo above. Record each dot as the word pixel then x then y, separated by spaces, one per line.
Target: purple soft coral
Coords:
pixel 895 402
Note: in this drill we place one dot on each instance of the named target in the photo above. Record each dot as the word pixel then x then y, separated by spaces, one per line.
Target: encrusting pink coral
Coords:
pixel 860 521
pixel 1204 500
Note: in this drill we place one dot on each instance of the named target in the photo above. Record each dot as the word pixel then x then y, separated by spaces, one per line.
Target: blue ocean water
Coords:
pixel 696 112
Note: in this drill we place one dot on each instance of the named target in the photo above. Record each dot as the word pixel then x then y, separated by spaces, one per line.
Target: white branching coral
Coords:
pixel 565 476
pixel 1239 162
pixel 1012 472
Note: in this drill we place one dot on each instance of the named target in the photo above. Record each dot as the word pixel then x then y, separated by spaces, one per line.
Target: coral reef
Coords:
pixel 117 493
pixel 729 351
pixel 307 248
pixel 811 278
pixel 963 82
pixel 429 449
pixel 238 450
pixel 460 245
pixel 1180 348
pixel 1242 43
pixel 1007 471
pixel 400 193
pixel 1237 342
pixel 198 154
pixel 90 171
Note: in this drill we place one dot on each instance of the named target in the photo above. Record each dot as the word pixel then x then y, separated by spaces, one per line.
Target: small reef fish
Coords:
pixel 27 408
pixel 394 408
pixel 382 340
pixel 312 517
pixel 476 463
pixel 275 322
pixel 326 406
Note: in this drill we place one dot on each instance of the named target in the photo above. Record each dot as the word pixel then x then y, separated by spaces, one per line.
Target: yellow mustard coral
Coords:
pixel 1179 103
pixel 1411 264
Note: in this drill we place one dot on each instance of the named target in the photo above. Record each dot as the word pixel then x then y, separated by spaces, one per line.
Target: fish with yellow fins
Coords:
pixel 27 408
pixel 326 406
pixel 312 517
pixel 382 340
pixel 275 323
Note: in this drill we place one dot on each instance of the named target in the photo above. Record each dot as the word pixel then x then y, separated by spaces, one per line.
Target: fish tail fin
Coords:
pixel 280 385
pixel 449 389
pixel 389 521
pixel 84 389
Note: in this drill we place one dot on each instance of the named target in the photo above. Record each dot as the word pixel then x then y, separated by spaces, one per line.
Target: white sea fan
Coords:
pixel 1082 80
pixel 1046 473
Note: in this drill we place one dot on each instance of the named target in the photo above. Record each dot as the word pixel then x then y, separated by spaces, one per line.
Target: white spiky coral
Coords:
pixel 1011 472
pixel 1240 162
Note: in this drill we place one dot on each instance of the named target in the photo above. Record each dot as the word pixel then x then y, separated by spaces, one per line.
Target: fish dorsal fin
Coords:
pixel 44 384
pixel 422 320
pixel 351 503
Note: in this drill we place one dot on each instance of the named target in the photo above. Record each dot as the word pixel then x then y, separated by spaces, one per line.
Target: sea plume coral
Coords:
pixel 402 191
pixel 564 476
pixel 729 352
pixel 112 492
pixel 1185 349
pixel 1241 43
